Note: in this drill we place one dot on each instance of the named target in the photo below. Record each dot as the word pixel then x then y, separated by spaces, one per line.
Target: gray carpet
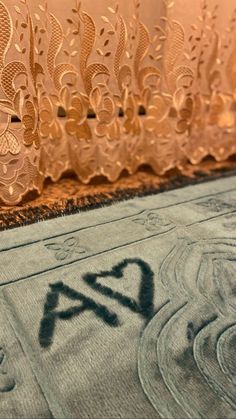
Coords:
pixel 127 311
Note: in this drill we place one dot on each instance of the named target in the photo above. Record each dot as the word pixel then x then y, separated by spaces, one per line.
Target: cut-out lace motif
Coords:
pixel 109 60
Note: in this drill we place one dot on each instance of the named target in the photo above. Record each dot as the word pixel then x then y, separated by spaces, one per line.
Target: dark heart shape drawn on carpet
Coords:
pixel 144 306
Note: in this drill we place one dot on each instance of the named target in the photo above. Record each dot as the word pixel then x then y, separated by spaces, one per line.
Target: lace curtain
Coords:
pixel 98 86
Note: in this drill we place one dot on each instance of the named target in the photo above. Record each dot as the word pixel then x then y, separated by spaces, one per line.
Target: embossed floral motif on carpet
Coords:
pixel 123 312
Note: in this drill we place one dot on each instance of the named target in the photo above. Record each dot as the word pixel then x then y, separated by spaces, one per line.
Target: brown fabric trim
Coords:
pixel 68 196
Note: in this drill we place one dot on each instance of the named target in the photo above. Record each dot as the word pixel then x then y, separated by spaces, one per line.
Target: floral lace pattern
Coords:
pixel 98 88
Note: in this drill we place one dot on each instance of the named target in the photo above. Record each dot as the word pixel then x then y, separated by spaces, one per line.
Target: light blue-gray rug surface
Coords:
pixel 128 311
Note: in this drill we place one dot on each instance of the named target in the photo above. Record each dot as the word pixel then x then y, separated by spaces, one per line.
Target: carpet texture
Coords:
pixel 68 195
pixel 125 312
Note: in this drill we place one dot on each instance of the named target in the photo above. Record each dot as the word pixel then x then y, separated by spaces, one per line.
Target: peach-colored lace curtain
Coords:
pixel 98 86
